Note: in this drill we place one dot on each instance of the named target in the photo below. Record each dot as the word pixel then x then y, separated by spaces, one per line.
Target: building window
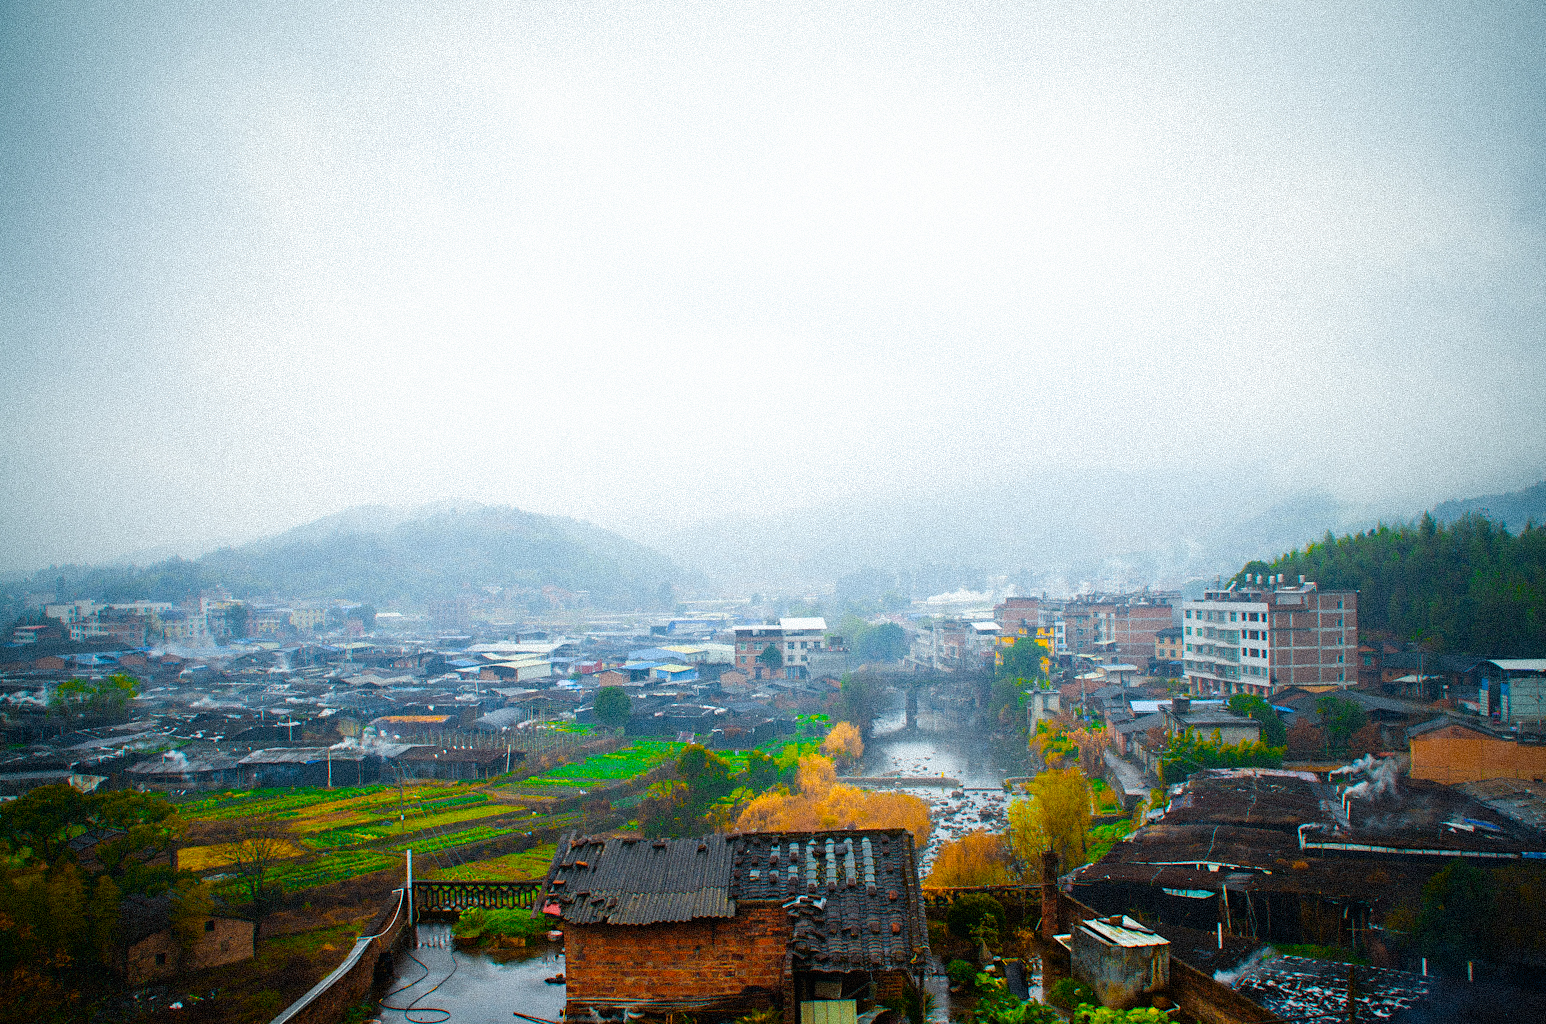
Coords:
pixel 209 926
pixel 160 959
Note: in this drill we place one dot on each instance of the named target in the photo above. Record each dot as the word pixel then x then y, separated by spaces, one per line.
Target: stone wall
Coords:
pixel 728 965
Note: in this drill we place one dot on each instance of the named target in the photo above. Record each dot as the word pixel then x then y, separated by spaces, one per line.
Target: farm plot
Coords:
pixel 512 867
pixel 617 766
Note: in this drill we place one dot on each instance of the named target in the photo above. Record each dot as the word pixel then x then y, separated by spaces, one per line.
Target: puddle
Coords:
pixel 440 983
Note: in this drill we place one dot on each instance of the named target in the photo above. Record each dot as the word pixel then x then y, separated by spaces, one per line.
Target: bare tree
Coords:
pixel 251 847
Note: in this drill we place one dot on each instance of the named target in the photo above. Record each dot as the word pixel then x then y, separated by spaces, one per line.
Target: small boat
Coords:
pixel 557 979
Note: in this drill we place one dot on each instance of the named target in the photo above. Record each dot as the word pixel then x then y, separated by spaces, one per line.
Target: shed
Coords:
pixel 1121 960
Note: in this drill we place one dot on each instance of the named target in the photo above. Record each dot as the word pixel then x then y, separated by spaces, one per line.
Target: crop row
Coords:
pixel 283 803
pixel 476 834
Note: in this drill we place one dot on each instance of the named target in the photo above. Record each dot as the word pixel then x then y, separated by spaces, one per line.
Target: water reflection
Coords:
pixel 439 983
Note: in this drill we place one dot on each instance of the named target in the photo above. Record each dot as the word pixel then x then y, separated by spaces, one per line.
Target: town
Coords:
pixel 772 513
pixel 1239 805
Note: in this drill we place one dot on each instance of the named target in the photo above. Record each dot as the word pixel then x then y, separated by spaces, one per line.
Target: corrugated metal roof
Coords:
pixel 1123 932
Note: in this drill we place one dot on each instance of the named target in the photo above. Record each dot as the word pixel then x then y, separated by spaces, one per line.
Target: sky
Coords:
pixel 654 264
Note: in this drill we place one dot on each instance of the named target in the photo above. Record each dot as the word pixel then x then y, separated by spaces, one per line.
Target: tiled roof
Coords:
pixel 853 896
pixel 641 881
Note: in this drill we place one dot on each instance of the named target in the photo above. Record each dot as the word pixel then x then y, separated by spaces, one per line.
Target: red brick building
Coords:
pixel 726 924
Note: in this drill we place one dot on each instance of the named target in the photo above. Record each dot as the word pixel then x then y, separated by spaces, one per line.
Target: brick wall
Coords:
pixel 727 964
pixel 1455 754
pixel 218 940
pixel 331 998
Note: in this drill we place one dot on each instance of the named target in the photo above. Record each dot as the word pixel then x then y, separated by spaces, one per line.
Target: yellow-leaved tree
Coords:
pixel 843 743
pixel 977 858
pixel 1055 815
pixel 821 803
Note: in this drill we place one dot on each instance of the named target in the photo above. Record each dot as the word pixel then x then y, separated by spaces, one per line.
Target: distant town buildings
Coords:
pixel 1262 638
pixel 794 640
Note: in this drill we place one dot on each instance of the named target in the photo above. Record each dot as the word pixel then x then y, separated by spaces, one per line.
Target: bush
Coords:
pixel 1087 1014
pixel 967 913
pixel 486 924
pixel 962 973
pixel 1069 993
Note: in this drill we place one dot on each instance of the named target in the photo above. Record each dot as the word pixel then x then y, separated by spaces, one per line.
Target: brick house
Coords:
pixel 151 948
pixel 725 924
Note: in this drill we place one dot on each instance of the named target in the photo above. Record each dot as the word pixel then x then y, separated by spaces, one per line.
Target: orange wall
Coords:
pixel 1456 754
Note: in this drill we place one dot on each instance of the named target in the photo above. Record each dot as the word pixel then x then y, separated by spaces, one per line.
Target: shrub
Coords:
pixel 962 973
pixel 477 922
pixel 1069 993
pixel 967 913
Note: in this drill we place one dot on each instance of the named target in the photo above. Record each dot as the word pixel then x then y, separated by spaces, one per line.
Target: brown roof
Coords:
pixel 853 896
pixel 641 881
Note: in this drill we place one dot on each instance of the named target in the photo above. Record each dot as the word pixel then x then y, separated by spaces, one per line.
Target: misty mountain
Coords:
pixel 385 555
pixel 1107 529
pixel 1514 509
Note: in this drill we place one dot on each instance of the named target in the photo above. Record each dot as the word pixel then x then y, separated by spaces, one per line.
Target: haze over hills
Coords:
pixel 1109 530
pixel 384 555
pixel 1514 509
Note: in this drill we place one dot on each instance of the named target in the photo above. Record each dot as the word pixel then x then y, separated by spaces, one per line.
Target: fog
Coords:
pixel 659 266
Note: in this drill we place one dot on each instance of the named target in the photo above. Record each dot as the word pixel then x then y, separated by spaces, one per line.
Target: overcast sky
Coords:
pixel 650 263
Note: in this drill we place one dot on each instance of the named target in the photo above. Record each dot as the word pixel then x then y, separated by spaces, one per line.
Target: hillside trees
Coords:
pixel 1470 586
pixel 820 802
pixel 58 908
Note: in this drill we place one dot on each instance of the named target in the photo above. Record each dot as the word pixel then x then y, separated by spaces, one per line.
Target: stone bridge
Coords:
pixel 455 897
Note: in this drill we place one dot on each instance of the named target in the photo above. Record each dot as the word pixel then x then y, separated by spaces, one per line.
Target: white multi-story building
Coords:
pixel 1261 639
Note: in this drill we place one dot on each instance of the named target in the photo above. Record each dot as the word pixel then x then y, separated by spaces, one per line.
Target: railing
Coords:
pixel 455 897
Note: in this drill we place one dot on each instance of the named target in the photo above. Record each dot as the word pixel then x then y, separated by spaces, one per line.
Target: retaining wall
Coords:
pixel 355 978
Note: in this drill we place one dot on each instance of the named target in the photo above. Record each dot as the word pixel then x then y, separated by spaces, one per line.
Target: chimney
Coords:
pixel 1180 705
pixel 1050 917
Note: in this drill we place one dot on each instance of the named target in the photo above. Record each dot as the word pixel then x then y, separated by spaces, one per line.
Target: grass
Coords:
pixel 1336 954
pixel 511 867
pixel 1104 837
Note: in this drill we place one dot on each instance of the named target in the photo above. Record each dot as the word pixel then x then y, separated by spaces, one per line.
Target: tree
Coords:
pixel 843 742
pixel 236 618
pixel 770 657
pixel 1365 741
pixel 252 846
pixel 1273 732
pixel 820 802
pixel 1340 717
pixel 1456 914
pixel 1023 660
pixel 885 641
pixel 613 706
pixel 1305 741
pixel 859 700
pixel 977 858
pixel 1189 752
pixel 1055 815
pixel 95 699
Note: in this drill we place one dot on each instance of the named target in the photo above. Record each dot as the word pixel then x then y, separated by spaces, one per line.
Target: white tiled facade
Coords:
pixel 1259 640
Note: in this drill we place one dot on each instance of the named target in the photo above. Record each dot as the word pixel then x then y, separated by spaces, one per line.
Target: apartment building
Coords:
pixel 1262 638
pixel 796 640
pixel 1124 626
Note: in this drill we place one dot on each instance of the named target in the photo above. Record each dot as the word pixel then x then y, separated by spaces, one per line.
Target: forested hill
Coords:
pixel 1516 509
pixel 1469 586
pixel 384 556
